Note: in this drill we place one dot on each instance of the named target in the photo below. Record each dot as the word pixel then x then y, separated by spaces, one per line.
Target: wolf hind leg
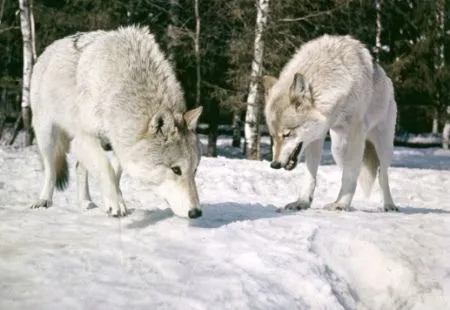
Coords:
pixel 382 139
pixel 92 157
pixel 53 145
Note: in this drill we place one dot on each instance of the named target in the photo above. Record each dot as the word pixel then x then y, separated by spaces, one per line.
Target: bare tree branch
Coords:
pixel 153 4
pixel 9 28
pixel 217 87
pixel 309 16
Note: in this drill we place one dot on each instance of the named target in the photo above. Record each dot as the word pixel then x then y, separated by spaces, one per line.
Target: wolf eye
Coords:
pixel 176 170
pixel 286 133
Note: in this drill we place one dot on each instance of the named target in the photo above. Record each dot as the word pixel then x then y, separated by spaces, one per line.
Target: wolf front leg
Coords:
pixel 117 169
pixel 347 149
pixel 90 154
pixel 313 154
pixel 84 197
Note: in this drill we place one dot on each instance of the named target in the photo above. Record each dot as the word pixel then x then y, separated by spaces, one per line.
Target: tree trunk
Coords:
pixel 213 126
pixel 440 18
pixel 212 140
pixel 172 38
pixel 33 32
pixel 26 119
pixel 3 98
pixel 28 60
pixel 446 133
pixel 16 129
pixel 236 128
pixel 435 128
pixel 197 54
pixel 378 30
pixel 2 123
pixel 439 61
pixel 2 9
pixel 252 117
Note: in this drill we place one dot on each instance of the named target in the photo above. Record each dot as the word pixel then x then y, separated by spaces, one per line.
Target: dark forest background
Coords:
pixel 409 36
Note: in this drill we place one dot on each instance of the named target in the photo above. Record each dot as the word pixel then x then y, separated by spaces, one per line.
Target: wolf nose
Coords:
pixel 194 213
pixel 275 165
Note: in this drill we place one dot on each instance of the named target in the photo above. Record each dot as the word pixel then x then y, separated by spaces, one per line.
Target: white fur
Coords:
pixel 115 87
pixel 333 84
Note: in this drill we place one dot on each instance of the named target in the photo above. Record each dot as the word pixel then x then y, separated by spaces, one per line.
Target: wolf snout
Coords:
pixel 194 213
pixel 275 165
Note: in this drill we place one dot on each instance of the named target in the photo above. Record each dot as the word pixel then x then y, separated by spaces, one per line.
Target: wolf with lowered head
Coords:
pixel 332 84
pixel 114 88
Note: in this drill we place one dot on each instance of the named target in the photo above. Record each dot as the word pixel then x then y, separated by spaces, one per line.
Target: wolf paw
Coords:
pixel 389 208
pixel 334 206
pixel 298 205
pixel 41 203
pixel 87 205
pixel 119 210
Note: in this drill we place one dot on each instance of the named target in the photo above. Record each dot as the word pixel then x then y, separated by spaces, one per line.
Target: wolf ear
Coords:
pixel 162 123
pixel 268 82
pixel 299 89
pixel 191 117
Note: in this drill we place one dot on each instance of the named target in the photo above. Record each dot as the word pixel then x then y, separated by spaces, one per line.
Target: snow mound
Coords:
pixel 241 254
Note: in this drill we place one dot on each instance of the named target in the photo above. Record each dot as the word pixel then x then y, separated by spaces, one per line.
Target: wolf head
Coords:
pixel 293 119
pixel 166 156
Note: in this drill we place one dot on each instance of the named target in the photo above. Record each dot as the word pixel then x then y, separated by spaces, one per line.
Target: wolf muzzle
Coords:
pixel 292 159
pixel 194 213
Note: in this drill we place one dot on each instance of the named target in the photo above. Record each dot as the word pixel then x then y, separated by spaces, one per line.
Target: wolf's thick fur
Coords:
pixel 333 84
pixel 114 88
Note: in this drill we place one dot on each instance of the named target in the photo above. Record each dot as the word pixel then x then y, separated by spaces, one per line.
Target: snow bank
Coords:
pixel 241 254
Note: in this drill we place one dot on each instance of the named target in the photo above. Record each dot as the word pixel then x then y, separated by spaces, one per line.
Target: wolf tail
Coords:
pixel 369 168
pixel 61 147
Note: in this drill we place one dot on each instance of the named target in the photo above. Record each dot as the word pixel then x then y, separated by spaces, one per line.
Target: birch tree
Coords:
pixel 378 30
pixel 197 53
pixel 446 130
pixel 29 52
pixel 252 117
pixel 440 59
pixel 440 18
pixel 33 32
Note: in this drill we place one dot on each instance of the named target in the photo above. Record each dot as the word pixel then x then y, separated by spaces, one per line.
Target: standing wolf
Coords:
pixel 114 88
pixel 333 84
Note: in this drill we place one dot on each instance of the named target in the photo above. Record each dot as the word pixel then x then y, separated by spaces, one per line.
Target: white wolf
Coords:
pixel 333 84
pixel 114 88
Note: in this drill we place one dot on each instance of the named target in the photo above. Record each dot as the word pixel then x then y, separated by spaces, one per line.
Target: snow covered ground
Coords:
pixel 241 254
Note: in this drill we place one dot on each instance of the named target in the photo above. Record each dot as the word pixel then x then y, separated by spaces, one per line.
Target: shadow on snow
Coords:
pixel 214 215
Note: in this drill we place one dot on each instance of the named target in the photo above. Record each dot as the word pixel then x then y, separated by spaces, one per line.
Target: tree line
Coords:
pixel 221 48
